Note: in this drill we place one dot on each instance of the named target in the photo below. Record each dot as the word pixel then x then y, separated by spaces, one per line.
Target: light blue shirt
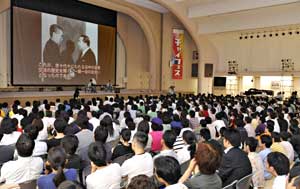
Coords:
pixel 263 154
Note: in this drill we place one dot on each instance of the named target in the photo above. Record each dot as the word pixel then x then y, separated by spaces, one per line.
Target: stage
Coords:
pixel 10 97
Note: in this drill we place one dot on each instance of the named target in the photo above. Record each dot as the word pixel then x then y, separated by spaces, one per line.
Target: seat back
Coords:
pixel 31 184
pixel 231 186
pixel 244 183
pixel 184 166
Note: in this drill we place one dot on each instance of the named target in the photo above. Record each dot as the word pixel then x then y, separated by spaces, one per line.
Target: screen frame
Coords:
pixel 13 4
pixel 220 85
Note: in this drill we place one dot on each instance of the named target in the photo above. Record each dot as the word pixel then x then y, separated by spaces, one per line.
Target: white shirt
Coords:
pixel 40 148
pixel 108 177
pixel 250 130
pixel 218 124
pixel 84 51
pixel 212 130
pixel 183 154
pixel 9 139
pixel 21 170
pixel 166 153
pixel 289 149
pixel 138 165
pixel 95 122
pixel 227 149
pixel 279 182
pixel 176 186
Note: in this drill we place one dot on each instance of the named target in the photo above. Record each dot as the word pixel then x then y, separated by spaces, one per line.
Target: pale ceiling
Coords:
pixel 217 16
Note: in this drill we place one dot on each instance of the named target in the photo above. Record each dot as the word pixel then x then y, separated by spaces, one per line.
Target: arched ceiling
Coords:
pixel 218 16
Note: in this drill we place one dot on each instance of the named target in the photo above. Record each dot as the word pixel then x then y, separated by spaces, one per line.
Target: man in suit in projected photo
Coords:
pixel 51 53
pixel 86 56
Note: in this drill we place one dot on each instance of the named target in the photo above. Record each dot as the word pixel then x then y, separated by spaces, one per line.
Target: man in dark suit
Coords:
pixel 235 163
pixel 86 56
pixel 51 53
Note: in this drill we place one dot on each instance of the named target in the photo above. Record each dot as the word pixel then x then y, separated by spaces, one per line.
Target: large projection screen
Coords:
pixel 50 49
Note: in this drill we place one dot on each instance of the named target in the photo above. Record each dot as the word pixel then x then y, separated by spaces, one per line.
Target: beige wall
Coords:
pixel 257 56
pixel 187 83
pixel 137 52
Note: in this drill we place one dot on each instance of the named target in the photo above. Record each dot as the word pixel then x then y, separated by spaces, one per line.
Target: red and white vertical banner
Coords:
pixel 177 59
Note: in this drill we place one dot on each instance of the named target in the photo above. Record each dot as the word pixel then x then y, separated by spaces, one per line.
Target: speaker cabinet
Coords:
pixel 194 70
pixel 208 70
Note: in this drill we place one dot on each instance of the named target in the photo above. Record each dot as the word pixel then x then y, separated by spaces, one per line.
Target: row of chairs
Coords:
pixel 243 183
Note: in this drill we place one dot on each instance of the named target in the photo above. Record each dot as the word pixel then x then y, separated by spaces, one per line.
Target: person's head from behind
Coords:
pixel 205 134
pixel 208 158
pixel 251 144
pixel 276 137
pixel 270 125
pixel 101 134
pixel 232 138
pixel 125 135
pixel 70 144
pixel 56 33
pixel 57 159
pixel 7 126
pixel 189 137
pixel 141 182
pixel 97 154
pixel 167 170
pixel 265 141
pixel 278 164
pixel 168 139
pixel 83 42
pixel 32 131
pixel 60 125
pixel 25 145
pixel 139 142
pixel 68 184
pixel 144 127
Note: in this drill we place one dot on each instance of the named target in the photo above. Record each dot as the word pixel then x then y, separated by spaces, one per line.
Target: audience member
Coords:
pixel 57 174
pixel 26 167
pixel 103 175
pixel 141 162
pixel 167 172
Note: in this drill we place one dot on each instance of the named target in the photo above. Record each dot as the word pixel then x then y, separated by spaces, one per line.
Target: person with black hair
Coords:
pixel 167 141
pixel 141 162
pixel 278 165
pixel 59 126
pixel 256 162
pixel 113 130
pixel 26 167
pixel 276 146
pixel 70 145
pixel 205 135
pixel 249 127
pixel 10 135
pixel 141 182
pixel 101 135
pixel 85 136
pixel 55 164
pixel 103 175
pixel 235 163
pixel 265 142
pixel 284 136
pixel 188 151
pixel 167 171
pixel 124 147
pixel 40 147
pixel 143 126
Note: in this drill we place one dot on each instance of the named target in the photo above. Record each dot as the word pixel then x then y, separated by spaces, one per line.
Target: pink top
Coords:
pixel 156 138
